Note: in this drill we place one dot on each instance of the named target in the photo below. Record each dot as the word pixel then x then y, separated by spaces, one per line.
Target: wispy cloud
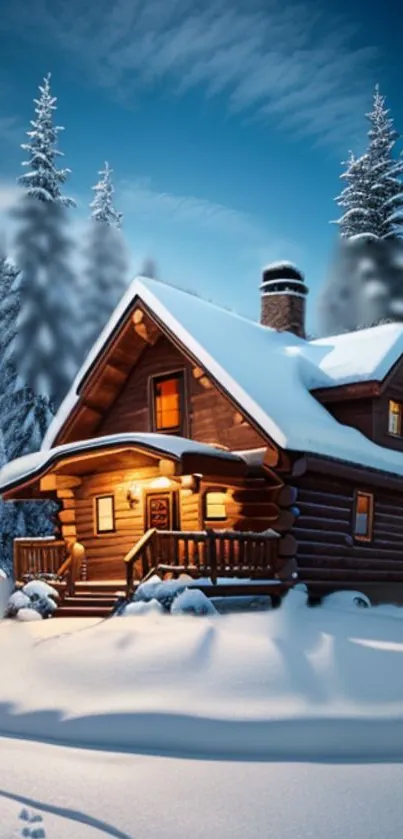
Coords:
pixel 298 67
pixel 138 196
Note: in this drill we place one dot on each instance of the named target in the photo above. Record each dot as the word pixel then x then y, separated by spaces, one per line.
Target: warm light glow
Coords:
pixel 166 467
pixel 215 507
pixel 167 404
pixel 363 515
pixel 105 516
pixel 395 417
pixel 160 483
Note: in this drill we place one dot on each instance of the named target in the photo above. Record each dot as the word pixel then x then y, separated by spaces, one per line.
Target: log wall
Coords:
pixel 252 505
pixel 328 556
pixel 210 416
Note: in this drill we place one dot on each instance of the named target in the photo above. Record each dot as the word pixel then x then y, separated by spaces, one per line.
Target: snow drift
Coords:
pixel 288 684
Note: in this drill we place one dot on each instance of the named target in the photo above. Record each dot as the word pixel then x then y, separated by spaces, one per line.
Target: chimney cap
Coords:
pixel 282 270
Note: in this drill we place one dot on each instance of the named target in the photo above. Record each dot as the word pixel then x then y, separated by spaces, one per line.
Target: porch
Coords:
pixel 129 508
pixel 219 562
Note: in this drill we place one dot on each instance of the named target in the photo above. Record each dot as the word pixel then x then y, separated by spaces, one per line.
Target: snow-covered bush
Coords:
pixel 17 601
pixel 163 591
pixel 39 588
pixel 346 600
pixel 28 614
pixel 192 601
pixel 37 596
pixel 33 825
pixel 143 607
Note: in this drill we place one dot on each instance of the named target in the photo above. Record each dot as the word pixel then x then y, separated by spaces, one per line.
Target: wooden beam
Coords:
pixel 138 316
pixel 341 393
pixel 67 516
pixel 69 531
pixel 54 482
pixel 359 475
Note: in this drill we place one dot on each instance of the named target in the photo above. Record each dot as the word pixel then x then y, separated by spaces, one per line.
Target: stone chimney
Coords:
pixel 283 295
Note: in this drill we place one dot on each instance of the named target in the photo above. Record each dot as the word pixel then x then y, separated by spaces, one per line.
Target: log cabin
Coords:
pixel 196 439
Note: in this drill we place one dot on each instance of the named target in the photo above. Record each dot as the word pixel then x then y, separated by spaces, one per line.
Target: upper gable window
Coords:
pixel 168 403
pixel 395 418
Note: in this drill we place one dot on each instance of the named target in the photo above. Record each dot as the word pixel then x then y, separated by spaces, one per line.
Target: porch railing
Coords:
pixel 38 556
pixel 207 553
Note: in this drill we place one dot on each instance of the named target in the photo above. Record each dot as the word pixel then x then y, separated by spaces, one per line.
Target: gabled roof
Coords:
pixel 269 374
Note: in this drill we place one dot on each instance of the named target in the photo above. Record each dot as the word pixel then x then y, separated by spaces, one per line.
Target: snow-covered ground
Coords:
pixel 286 723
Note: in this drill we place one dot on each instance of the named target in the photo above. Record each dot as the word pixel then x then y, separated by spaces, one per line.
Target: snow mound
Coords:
pixel 17 601
pixel 192 602
pixel 290 683
pixel 27 614
pixel 40 589
pixel 143 607
pixel 346 600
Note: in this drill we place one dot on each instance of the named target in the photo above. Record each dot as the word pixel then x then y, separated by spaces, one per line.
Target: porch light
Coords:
pixel 133 494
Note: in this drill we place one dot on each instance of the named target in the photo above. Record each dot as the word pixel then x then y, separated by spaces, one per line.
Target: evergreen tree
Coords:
pixel 373 198
pixel 354 198
pixel 385 185
pixel 105 255
pixel 44 352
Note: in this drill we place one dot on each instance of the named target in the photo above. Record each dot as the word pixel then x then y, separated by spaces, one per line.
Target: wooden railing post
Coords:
pixel 212 555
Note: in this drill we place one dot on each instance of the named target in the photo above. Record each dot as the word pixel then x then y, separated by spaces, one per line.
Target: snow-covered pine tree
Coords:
pixel 48 315
pixel 105 255
pixel 354 198
pixel 373 198
pixel 385 184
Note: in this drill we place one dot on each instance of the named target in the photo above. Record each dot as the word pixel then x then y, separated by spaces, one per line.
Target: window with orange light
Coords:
pixel 363 516
pixel 168 403
pixel 395 418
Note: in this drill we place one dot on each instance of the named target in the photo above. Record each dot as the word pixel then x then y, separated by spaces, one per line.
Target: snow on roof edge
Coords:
pixel 31 465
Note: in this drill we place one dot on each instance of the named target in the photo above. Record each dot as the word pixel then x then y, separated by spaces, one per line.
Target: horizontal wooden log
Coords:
pixel 67 516
pixel 349 574
pixel 138 315
pixel 286 496
pixel 306 548
pixel 67 494
pixel 359 476
pixel 312 524
pixel 68 531
pixel 287 546
pixel 285 521
pixel 349 562
pixel 317 510
pixel 58 482
pixel 321 497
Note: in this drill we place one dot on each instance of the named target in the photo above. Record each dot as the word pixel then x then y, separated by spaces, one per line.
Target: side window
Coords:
pixel 104 514
pixel 395 418
pixel 215 505
pixel 363 516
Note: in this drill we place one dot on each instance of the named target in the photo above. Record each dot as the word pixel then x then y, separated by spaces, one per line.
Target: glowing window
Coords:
pixel 168 402
pixel 105 514
pixel 215 507
pixel 363 515
pixel 395 418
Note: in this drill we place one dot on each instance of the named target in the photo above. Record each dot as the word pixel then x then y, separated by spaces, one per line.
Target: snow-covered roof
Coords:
pixel 364 355
pixel 32 465
pixel 270 374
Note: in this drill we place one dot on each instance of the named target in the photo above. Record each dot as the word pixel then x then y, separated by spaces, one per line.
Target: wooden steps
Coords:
pixel 90 600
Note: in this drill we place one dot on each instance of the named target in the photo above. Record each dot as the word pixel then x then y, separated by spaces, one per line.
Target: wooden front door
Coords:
pixel 161 510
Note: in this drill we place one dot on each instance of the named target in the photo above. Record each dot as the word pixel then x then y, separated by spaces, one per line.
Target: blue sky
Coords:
pixel 225 123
